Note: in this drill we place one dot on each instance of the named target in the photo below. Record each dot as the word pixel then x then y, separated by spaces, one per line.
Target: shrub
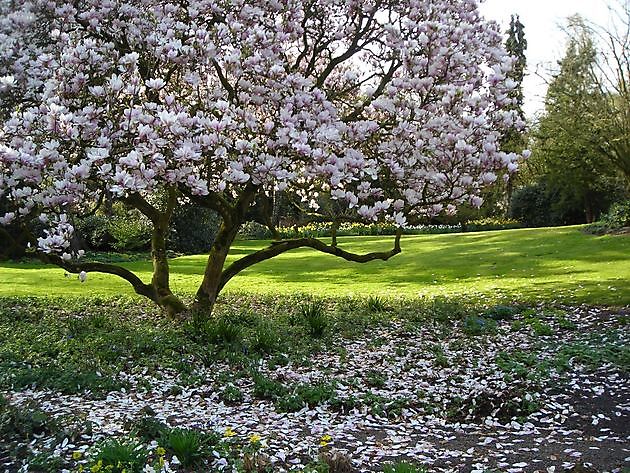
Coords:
pixel 617 218
pixel 540 205
pixel 193 229
pixel 254 231
pixel 94 231
pixel 130 232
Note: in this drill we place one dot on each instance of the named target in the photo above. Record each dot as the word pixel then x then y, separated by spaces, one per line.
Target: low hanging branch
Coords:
pixel 76 268
pixel 279 247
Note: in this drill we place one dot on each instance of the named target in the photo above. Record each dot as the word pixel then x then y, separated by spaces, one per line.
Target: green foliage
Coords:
pixel 254 231
pixel 576 176
pixel 501 312
pixel 193 229
pixel 190 446
pixel 542 204
pixel 24 422
pixel 130 232
pixel 266 388
pixel 616 219
pixel 148 428
pixel 265 339
pixel 119 456
pixel 314 314
pixel 94 230
pixel 473 325
pixel 404 467
pixel 45 462
pixel 376 304
pixel 231 394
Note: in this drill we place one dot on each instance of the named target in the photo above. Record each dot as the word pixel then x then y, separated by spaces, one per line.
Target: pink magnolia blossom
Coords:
pixel 395 109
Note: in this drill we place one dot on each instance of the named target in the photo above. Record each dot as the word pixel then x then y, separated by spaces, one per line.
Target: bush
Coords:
pixel 94 231
pixel 617 218
pixel 537 205
pixel 131 232
pixel 193 229
pixel 254 231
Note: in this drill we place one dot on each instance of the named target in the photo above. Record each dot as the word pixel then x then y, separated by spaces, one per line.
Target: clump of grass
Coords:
pixel 189 446
pixel 119 456
pixel 265 338
pixel 314 314
pixel 376 304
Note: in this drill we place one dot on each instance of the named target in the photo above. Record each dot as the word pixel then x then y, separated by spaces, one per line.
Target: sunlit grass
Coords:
pixel 547 264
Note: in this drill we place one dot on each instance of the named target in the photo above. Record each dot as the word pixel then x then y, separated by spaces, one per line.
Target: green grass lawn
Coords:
pixel 526 265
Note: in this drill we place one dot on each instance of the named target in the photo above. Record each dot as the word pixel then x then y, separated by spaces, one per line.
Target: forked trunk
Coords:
pixel 211 284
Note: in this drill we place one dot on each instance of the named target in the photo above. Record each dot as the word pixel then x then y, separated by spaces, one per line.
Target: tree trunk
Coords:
pixel 160 281
pixel 210 286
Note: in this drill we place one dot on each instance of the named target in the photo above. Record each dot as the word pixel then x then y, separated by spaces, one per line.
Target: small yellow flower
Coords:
pixel 322 443
pixel 76 455
pixel 96 468
pixel 229 432
pixel 326 438
pixel 160 451
pixel 255 438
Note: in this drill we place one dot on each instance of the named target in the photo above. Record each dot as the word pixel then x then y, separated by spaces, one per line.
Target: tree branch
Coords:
pixel 280 247
pixel 72 267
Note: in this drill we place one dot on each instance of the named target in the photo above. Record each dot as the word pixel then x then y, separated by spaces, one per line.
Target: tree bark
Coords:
pixel 210 286
pixel 160 280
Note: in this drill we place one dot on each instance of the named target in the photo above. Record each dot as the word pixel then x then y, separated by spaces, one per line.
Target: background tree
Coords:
pixel 394 109
pixel 572 167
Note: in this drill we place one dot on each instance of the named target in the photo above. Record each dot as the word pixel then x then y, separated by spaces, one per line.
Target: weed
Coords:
pixel 375 379
pixel 148 428
pixel 45 462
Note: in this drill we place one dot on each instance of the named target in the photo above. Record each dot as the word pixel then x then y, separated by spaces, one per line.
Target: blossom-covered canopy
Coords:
pixel 393 108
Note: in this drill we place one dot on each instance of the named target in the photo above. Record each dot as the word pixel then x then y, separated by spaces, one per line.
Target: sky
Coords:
pixel 543 20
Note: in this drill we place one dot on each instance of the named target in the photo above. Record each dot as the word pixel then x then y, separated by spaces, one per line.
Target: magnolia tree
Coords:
pixel 393 109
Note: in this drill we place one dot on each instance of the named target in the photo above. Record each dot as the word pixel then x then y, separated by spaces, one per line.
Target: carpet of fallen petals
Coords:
pixel 454 411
